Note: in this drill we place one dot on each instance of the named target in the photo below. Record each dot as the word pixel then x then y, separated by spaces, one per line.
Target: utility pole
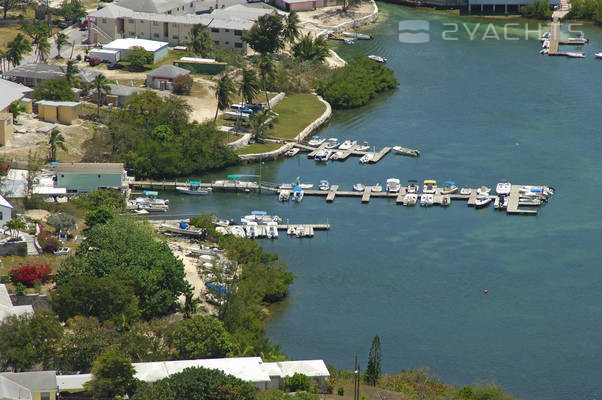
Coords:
pixel 356 380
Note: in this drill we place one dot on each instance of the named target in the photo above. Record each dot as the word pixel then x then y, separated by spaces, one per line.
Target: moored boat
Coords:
pixel 347 144
pixel 297 194
pixel 324 185
pixel 449 188
pixel 292 152
pixel 323 155
pixel 194 188
pixel 429 186
pixel 379 59
pixel 482 201
pixel 503 187
pixel 427 199
pixel 366 158
pixel 316 141
pixel 284 195
pixel 405 151
pixel 446 200
pixel 364 147
pixel 358 187
pixel 271 230
pixel 410 199
pixel 465 191
pixel 393 185
pixel 332 143
pixel 483 191
pixel 357 35
pixel 238 231
pixel 598 55
pixel 412 186
pixel 377 188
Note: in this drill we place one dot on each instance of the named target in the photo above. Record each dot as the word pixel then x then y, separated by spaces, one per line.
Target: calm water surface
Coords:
pixel 479 111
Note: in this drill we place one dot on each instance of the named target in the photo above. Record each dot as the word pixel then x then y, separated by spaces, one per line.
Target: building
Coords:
pixel 158 49
pixel 226 25
pixel 6 305
pixel 39 385
pixel 162 77
pixel 11 92
pixel 33 74
pixel 279 371
pixel 86 177
pixel 502 6
pixel 303 5
pixel 201 65
pixel 118 94
pixel 64 112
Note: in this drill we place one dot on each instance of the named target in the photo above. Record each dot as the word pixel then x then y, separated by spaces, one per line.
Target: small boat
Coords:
pixel 284 195
pixel 427 199
pixel 337 155
pixel 465 191
pixel 406 152
pixel 544 51
pixel 412 186
pixel 430 186
pixel 297 194
pixel 393 185
pixel 316 141
pixel 324 185
pixel 332 143
pixel 377 188
pixel 292 152
pixel 347 144
pixel 261 217
pixel 364 147
pixel 598 55
pixel 545 44
pixel 575 55
pixel 358 187
pixel 323 155
pixel 297 182
pixel 446 200
pixel 194 188
pixel 366 158
pixel 271 230
pixel 285 186
pixel 251 230
pixel 238 231
pixel 482 201
pixel 348 41
pixel 500 202
pixel 449 188
pixel 503 187
pixel 140 212
pixel 291 231
pixel 546 35
pixel 410 199
pixel 483 191
pixel 379 59
pixel 356 35
pixel 153 207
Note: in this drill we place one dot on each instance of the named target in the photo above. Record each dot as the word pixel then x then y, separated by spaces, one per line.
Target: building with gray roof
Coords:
pixel 11 91
pixel 33 74
pixel 162 78
pixel 28 385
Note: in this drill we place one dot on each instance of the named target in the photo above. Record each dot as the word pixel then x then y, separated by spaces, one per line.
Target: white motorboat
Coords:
pixel 598 55
pixel 332 143
pixel 364 147
pixel 410 199
pixel 377 188
pixel 393 185
pixel 545 36
pixel 316 141
pixel 298 182
pixel 285 186
pixel 358 187
pixel 449 188
pixel 272 230
pixel 412 186
pixel 297 194
pixel 252 230
pixel 238 231
pixel 323 155
pixel 406 152
pixel 349 41
pixel 153 207
pixel 140 212
pixel 482 201
pixel 500 202
pixel 347 144
pixel 429 186
pixel 292 152
pixel 366 158
pixel 483 191
pixel 379 59
pixel 194 188
pixel 503 187
pixel 427 199
pixel 445 200
pixel 324 185
pixel 291 231
pixel 356 35
pixel 284 195
pixel 337 155
pixel 465 191
pixel 260 217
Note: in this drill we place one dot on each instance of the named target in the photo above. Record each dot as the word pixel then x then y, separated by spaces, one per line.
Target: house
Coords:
pixel 162 78
pixel 6 210
pixel 279 371
pixel 158 49
pixel 226 25
pixel 201 65
pixel 33 74
pixel 12 92
pixel 7 309
pixel 86 177
pixel 64 112
pixel 39 385
pixel 304 5
pixel 118 94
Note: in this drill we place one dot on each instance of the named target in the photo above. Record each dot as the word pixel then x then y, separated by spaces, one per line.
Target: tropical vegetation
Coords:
pixel 58 89
pixel 540 9
pixel 587 10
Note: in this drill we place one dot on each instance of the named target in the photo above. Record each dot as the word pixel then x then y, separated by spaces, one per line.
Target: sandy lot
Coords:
pixel 332 16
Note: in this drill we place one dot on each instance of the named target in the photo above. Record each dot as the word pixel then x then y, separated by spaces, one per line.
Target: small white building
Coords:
pixel 6 305
pixel 158 49
pixel 6 211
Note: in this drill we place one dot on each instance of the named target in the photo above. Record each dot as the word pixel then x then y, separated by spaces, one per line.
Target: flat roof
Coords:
pixel 58 103
pixel 90 168
pixel 125 44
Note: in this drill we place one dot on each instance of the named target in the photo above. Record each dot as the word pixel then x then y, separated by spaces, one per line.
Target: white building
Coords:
pixel 6 210
pixel 6 305
pixel 158 49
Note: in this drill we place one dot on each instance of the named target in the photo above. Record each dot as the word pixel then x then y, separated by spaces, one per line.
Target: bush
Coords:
pixel 182 84
pixel 58 89
pixel 586 9
pixel 47 242
pixel 139 58
pixel 22 249
pixel 538 10
pixel 297 383
pixel 341 391
pixel 28 274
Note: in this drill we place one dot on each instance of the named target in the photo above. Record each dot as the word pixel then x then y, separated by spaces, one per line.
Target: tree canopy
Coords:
pixel 58 89
pixel 201 337
pixel 113 376
pixel 264 37
pixel 139 58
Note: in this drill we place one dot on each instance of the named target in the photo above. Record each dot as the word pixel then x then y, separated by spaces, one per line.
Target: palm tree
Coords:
pixel 15 226
pixel 101 85
pixel 291 32
pixel 71 71
pixel 42 48
pixel 56 140
pixel 260 123
pixel 249 87
pixel 200 42
pixel 60 40
pixel 267 70
pixel 309 49
pixel 17 49
pixel 224 91
pixel 16 109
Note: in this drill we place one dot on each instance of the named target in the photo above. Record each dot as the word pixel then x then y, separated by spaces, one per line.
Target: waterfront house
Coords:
pixel 7 309
pixel 33 74
pixel 162 78
pixel 86 177
pixel 38 385
pixel 303 5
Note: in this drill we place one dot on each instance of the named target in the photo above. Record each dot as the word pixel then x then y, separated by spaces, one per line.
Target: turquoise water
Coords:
pixel 479 111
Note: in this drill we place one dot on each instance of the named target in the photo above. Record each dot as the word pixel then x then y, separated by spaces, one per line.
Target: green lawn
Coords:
pixel 295 112
pixel 259 148
pixel 7 34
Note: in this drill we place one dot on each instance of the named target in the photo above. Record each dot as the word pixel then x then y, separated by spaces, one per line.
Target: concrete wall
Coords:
pixel 13 249
pixel 63 114
pixel 6 131
pixel 75 182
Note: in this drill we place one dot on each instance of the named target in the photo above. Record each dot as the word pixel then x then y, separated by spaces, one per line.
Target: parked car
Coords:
pixel 94 61
pixel 83 25
pixel 115 65
pixel 255 107
pixel 63 24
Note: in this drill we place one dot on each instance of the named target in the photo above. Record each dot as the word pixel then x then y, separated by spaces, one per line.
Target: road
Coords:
pixel 73 35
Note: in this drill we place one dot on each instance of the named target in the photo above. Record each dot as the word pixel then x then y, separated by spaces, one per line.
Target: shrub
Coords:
pixel 538 10
pixel 22 249
pixel 341 391
pixel 48 243
pixel 182 84
pixel 139 58
pixel 28 274
pixel 297 383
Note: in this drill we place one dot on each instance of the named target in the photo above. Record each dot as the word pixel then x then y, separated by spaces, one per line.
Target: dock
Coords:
pixel 331 193
pixel 366 195
pixel 220 186
pixel 555 42
pixel 342 155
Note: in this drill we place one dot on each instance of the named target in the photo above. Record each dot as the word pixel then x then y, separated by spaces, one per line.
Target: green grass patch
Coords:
pixel 259 148
pixel 295 112
pixel 7 34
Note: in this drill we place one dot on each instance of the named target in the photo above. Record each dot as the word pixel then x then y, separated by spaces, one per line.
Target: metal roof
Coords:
pixel 58 103
pixel 47 71
pixel 125 44
pixel 90 168
pixel 38 381
pixel 153 6
pixel 112 11
pixel 122 90
pixel 311 368
pixel 11 91
pixel 167 71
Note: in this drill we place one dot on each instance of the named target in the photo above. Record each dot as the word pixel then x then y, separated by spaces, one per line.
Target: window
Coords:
pixel 155 23
pixel 175 37
pixel 174 25
pixel 227 42
pixel 238 45
pixel 45 396
pixel 215 30
pixel 104 20
pixel 191 4
pixel 227 30
pixel 216 42
pixel 169 12
pixel 1 215
pixel 238 33
pixel 130 21
pixel 155 35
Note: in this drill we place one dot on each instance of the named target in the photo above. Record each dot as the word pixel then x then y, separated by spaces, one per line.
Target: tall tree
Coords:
pixel 267 70
pixel 57 89
pixel 60 40
pixel 17 49
pixel 39 34
pixel 373 370
pixel 72 10
pixel 56 141
pixel 101 85
pixel 223 93
pixel 34 165
pixel 15 226
pixel 200 41
pixel 71 72
pixel 311 49
pixel 201 337
pixel 113 376
pixel 12 4
pixel 249 87
pixel 265 36
pixel 291 31
pixel 43 48
pixel 260 123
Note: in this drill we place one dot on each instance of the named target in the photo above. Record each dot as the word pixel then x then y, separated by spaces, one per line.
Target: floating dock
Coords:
pixel 343 155
pixel 555 42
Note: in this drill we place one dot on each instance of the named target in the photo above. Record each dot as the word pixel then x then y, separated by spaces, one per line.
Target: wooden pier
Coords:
pixel 342 155
pixel 220 186
pixel 555 42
